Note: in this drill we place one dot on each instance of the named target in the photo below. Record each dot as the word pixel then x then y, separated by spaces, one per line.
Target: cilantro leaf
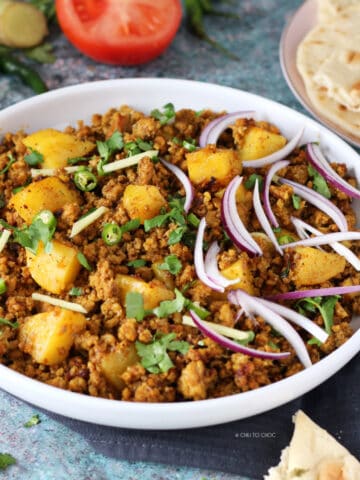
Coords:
pixel 130 225
pixel 134 304
pixel 325 306
pixel 172 264
pixel 83 261
pixel 168 307
pixel 3 286
pixel 34 158
pixel 12 160
pixel 136 147
pixel 166 115
pixel 250 182
pixel 76 291
pixel 319 182
pixel 177 234
pixel 34 420
pixel 4 321
pixel 314 341
pixel 284 239
pixel 154 356
pixel 296 201
pixel 107 148
pixel 137 263
pixel 6 460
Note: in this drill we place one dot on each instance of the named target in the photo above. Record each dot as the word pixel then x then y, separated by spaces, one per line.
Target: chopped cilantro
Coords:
pixel 107 148
pixel 277 229
pixel 250 182
pixel 34 420
pixel 6 460
pixel 325 306
pixel 83 261
pixel 273 345
pixel 296 201
pixel 134 304
pixel 75 160
pixel 76 291
pixel 314 341
pixel 137 263
pixel 284 239
pixel 166 115
pixel 177 234
pixel 154 356
pixel 136 147
pixel 168 307
pixel 12 160
pixel 34 158
pixel 193 220
pixel 172 264
pixel 130 225
pixel 319 182
pixel 176 214
pixel 3 287
pixel 250 338
pixel 189 144
pixel 4 321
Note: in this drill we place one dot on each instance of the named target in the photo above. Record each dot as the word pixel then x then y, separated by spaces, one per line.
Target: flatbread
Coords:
pixel 330 9
pixel 328 87
pixel 313 454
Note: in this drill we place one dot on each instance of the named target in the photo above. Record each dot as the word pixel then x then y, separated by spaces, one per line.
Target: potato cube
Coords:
pixel 153 292
pixel 311 266
pixel 213 163
pixel 143 201
pixel 48 336
pixel 57 147
pixel 259 143
pixel 114 364
pixel 241 270
pixel 55 271
pixel 47 194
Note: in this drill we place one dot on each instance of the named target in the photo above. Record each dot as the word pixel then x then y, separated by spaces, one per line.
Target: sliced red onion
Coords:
pixel 316 292
pixel 199 259
pixel 324 239
pixel 319 202
pixel 264 222
pixel 185 181
pixel 319 162
pixel 252 304
pixel 212 131
pixel 234 346
pixel 345 252
pixel 212 269
pixel 298 319
pixel 266 194
pixel 232 222
pixel 278 155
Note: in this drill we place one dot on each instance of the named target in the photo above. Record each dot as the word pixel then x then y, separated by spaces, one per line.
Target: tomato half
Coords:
pixel 123 32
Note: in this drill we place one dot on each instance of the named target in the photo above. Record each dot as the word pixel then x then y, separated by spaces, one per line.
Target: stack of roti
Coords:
pixel 313 454
pixel 328 60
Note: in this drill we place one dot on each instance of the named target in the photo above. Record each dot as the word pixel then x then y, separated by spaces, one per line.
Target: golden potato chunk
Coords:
pixel 259 143
pixel 57 147
pixel 240 269
pixel 114 364
pixel 153 292
pixel 47 194
pixel 213 163
pixel 55 271
pixel 143 201
pixel 311 266
pixel 48 336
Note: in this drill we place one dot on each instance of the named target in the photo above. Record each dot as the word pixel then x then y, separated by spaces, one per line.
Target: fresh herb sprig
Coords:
pixel 166 115
pixel 319 182
pixel 324 305
pixel 11 161
pixel 108 148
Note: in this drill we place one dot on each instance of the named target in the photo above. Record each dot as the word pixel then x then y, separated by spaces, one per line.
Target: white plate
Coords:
pixel 304 20
pixel 64 106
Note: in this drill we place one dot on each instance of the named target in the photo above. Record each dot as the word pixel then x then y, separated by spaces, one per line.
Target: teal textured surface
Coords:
pixel 50 451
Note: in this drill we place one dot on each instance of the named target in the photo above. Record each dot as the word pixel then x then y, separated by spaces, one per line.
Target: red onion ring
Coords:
pixel 319 162
pixel 298 319
pixel 250 303
pixel 316 292
pixel 214 129
pixel 319 202
pixel 339 248
pixel 278 155
pixel 324 239
pixel 266 193
pixel 212 269
pixel 232 223
pixel 185 181
pixel 231 345
pixel 264 222
pixel 199 259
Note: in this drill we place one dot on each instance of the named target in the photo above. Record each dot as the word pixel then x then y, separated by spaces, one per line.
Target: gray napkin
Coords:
pixel 246 447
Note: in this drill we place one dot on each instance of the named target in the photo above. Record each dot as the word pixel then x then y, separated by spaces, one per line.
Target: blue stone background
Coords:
pixel 49 451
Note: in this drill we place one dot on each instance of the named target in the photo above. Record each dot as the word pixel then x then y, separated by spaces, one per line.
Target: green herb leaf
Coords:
pixel 3 287
pixel 154 356
pixel 296 201
pixel 200 311
pixel 76 291
pixel 250 182
pixel 325 306
pixel 41 229
pixel 12 160
pixel 6 460
pixel 283 239
pixel 168 307
pixel 137 263
pixel 314 341
pixel 273 345
pixel 34 158
pixel 319 182
pixel 75 160
pixel 250 338
pixel 193 220
pixel 4 321
pixel 136 147
pixel 34 420
pixel 107 148
pixel 172 264
pixel 41 53
pixel 189 144
pixel 166 115
pixel 176 235
pixel 130 225
pixel 83 261
pixel 134 304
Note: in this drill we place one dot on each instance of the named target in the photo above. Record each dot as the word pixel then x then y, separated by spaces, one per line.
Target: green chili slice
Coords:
pixel 85 180
pixel 111 234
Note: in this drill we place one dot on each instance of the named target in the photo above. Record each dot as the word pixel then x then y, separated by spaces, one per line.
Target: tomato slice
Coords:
pixel 123 32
